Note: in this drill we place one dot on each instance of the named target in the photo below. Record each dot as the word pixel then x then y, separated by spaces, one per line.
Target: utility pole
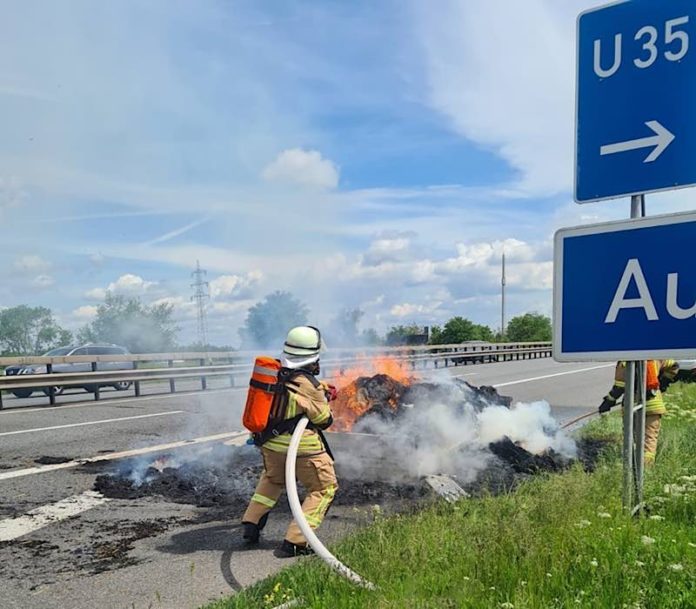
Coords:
pixel 201 296
pixel 502 307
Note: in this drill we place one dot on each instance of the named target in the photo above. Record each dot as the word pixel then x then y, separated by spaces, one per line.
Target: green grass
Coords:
pixel 558 542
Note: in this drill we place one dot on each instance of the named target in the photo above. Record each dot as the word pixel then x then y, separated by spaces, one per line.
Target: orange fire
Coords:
pixel 352 402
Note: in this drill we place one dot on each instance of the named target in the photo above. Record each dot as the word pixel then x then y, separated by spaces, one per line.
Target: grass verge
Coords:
pixel 559 541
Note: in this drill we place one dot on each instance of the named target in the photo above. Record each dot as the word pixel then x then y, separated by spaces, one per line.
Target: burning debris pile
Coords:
pixel 402 430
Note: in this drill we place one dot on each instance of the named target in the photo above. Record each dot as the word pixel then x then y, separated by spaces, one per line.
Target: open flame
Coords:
pixel 352 401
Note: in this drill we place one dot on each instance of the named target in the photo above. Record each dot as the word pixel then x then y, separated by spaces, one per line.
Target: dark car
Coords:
pixel 88 349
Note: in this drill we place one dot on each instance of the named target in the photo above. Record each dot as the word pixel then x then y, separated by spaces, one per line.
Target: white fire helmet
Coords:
pixel 302 347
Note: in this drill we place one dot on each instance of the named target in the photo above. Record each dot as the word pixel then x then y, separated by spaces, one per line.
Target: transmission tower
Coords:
pixel 201 296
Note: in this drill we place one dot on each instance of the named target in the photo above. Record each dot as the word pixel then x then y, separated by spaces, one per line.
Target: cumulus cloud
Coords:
pixel 390 247
pixel 125 285
pixel 300 167
pixel 227 287
pixel 409 310
pixel 85 313
pixel 31 264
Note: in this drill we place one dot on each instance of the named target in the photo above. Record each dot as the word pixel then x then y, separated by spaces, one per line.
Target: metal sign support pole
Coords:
pixel 634 415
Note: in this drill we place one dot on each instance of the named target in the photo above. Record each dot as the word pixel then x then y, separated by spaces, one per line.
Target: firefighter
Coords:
pixel 300 393
pixel 659 374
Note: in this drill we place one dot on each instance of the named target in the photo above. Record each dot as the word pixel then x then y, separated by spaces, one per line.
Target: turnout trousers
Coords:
pixel 317 476
pixel 652 431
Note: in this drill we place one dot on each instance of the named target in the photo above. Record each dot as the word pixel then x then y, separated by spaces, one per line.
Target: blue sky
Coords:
pixel 378 155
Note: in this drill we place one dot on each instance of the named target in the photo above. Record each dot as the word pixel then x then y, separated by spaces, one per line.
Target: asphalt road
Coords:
pixel 169 555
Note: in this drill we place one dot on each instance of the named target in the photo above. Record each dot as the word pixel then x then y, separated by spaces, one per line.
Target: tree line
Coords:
pixel 144 328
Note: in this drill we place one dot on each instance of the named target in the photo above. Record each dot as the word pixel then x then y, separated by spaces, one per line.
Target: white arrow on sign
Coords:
pixel 661 140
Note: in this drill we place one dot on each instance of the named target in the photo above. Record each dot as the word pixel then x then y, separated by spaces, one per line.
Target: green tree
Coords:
pixel 458 330
pixel 130 323
pixel 28 330
pixel 268 321
pixel 529 327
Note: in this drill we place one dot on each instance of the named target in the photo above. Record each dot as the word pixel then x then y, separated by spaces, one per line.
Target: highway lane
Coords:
pixel 189 560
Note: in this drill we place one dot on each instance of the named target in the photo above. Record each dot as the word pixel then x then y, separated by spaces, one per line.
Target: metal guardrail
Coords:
pixel 240 364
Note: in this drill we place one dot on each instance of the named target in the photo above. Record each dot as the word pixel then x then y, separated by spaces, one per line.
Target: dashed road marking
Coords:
pixel 99 422
pixel 12 528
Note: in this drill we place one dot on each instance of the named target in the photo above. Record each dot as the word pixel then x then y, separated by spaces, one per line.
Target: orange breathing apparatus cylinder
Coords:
pixel 263 387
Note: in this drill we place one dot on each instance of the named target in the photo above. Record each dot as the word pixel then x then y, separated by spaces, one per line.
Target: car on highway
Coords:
pixel 87 349
pixel 473 345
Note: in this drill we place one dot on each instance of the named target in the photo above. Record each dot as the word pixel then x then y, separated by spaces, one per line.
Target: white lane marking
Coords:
pixel 109 401
pixel 456 376
pixel 12 528
pixel 549 376
pixel 39 469
pixel 99 422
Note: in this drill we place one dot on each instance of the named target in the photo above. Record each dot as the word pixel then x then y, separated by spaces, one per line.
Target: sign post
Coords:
pixel 635 134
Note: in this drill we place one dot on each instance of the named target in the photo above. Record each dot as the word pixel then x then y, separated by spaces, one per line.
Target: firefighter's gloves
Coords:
pixel 330 391
pixel 606 405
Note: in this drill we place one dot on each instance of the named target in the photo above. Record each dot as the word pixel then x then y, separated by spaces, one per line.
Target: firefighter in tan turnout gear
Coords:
pixel 659 374
pixel 280 393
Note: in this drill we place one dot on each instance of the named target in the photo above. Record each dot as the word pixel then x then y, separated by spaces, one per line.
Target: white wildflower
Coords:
pixel 640 563
pixel 549 575
pixel 657 517
pixel 647 541
pixel 594 562
pixel 604 514
pixel 507 606
pixel 523 583
pixel 582 524
pixel 466 578
pixel 677 567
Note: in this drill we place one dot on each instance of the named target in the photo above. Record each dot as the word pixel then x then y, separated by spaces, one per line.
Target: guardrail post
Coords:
pixel 96 386
pixel 136 384
pixel 172 383
pixel 1 399
pixel 51 388
pixel 204 381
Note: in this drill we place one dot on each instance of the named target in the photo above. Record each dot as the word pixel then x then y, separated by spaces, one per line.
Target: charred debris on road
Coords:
pixel 223 477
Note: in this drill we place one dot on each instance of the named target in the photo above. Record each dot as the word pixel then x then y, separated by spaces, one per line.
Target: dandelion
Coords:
pixel 657 517
pixel 594 562
pixel 604 514
pixel 647 541
pixel 677 566
pixel 582 524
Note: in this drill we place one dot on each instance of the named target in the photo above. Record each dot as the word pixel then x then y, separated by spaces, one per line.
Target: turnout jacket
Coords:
pixel 665 370
pixel 304 397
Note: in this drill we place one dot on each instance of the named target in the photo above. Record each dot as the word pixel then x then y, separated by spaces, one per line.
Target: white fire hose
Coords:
pixel 296 507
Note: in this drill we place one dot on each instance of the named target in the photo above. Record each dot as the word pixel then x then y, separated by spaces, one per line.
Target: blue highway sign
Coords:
pixel 626 290
pixel 636 95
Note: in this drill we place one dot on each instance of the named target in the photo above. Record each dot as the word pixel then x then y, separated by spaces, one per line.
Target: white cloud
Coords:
pixel 43 281
pixel 503 73
pixel 228 287
pixel 31 264
pixel 390 247
pixel 303 168
pixel 409 310
pixel 85 313
pixel 126 285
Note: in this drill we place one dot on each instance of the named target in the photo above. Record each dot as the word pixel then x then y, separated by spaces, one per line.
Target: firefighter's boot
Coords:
pixel 288 550
pixel 251 531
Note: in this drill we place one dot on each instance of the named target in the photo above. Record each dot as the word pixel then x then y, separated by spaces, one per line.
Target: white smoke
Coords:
pixel 451 436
